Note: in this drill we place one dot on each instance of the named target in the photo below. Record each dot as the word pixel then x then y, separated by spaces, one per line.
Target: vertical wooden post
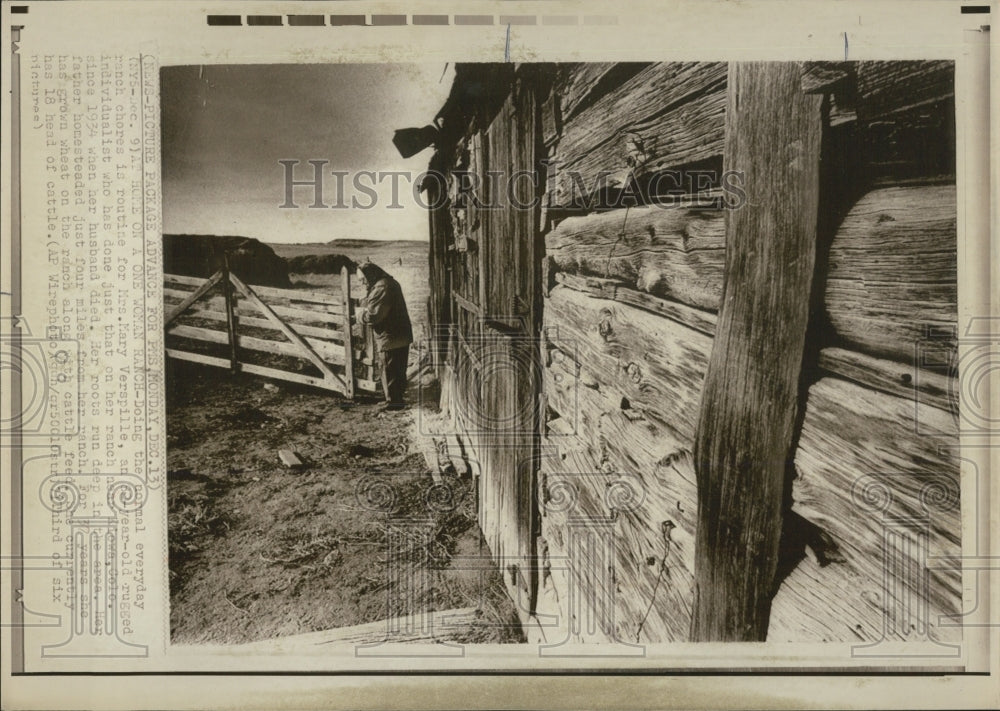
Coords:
pixel 345 285
pixel 231 323
pixel 748 407
pixel 480 148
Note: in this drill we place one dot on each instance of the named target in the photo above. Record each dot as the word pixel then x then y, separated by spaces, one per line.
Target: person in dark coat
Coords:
pixel 385 310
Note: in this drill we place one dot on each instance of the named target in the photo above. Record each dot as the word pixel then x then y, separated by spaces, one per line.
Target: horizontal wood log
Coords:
pixel 824 77
pixel 902 378
pixel 668 115
pixel 604 433
pixel 588 618
pixel 824 603
pixel 656 363
pixel 905 380
pixel 640 592
pixel 583 84
pixel 890 87
pixel 906 118
pixel 868 463
pixel 893 271
pixel 625 441
pixel 671 252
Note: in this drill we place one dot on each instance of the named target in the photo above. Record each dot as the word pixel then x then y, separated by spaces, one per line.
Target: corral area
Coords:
pixel 358 531
pixel 259 550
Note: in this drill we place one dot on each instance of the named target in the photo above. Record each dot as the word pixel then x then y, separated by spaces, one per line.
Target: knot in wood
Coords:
pixel 604 328
pixel 666 529
pixel 635 150
pixel 512 572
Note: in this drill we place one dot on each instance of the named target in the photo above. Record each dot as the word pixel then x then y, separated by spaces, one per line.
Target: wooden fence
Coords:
pixel 313 334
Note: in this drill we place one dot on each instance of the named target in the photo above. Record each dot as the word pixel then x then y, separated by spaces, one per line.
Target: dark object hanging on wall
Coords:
pixel 410 141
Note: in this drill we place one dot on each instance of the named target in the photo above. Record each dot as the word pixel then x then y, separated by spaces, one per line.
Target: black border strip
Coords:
pixel 348 20
pixel 265 20
pixel 225 20
pixel 306 20
pixel 399 20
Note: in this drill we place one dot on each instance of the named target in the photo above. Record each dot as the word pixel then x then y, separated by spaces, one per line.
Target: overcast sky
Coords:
pixel 225 129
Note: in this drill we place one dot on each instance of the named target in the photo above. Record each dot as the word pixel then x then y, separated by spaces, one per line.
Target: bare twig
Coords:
pixel 232 604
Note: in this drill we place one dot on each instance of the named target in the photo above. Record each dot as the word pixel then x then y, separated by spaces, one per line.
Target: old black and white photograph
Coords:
pixel 522 354
pixel 615 353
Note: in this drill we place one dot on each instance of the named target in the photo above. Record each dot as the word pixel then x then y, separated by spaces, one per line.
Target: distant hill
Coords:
pixel 351 248
pixel 319 263
pixel 202 255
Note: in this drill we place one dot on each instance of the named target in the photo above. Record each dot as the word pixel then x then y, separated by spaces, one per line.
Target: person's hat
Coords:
pixel 369 268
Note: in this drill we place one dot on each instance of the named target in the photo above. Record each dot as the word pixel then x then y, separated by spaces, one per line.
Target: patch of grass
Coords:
pixel 193 522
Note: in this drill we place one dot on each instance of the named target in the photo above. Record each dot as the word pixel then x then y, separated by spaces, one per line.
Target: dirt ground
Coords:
pixel 259 550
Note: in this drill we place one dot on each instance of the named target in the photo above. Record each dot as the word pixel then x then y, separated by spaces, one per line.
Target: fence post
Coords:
pixel 231 322
pixel 345 276
pixel 375 364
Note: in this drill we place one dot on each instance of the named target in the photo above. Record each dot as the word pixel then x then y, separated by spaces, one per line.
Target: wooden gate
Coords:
pixel 295 335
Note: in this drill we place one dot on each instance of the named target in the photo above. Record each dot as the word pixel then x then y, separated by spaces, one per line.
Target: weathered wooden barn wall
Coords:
pixel 486 276
pixel 629 320
pixel 600 308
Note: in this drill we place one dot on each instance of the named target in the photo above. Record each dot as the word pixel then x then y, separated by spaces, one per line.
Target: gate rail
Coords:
pixel 308 325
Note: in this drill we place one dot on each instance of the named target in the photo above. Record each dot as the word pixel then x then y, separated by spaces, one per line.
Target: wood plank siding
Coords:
pixel 681 317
